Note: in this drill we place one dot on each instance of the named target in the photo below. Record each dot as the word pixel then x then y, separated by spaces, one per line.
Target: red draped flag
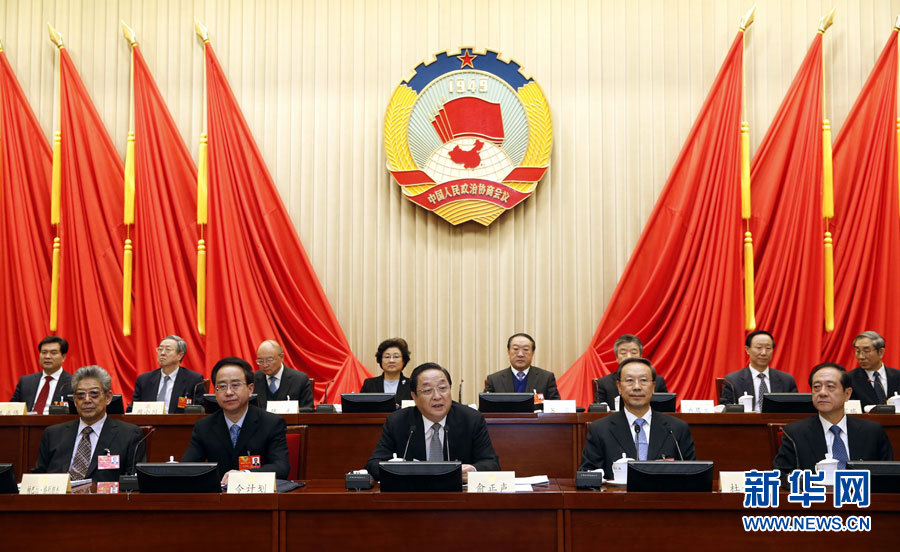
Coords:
pixel 25 232
pixel 867 217
pixel 260 283
pixel 90 232
pixel 165 201
pixel 787 223
pixel 681 291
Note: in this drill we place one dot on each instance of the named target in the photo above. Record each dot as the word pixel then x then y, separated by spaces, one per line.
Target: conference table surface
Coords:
pixel 529 444
pixel 324 516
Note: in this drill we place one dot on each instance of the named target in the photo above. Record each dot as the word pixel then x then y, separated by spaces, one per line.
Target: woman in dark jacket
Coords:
pixel 392 356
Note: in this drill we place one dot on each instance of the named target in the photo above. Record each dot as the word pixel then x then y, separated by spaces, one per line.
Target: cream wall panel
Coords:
pixel 624 81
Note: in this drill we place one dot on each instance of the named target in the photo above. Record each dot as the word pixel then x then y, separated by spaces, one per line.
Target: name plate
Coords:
pixel 251 482
pixel 407 402
pixel 492 482
pixel 148 407
pixel 698 407
pixel 559 407
pixel 731 482
pixel 853 406
pixel 13 409
pixel 282 407
pixel 45 483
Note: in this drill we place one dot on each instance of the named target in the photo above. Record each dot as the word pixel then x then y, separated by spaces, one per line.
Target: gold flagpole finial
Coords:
pixel 897 23
pixel 201 30
pixel 826 21
pixel 1 46
pixel 55 37
pixel 128 32
pixel 747 20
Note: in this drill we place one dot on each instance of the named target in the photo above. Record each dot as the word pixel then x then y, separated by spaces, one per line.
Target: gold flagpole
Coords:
pixel 56 185
pixel 128 216
pixel 749 299
pixel 827 188
pixel 202 195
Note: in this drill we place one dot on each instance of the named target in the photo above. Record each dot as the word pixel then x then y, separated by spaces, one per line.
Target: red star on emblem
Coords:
pixel 466 59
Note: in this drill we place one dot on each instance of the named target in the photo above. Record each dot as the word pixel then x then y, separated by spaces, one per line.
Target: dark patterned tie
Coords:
pixel 879 389
pixel 763 389
pixel 82 456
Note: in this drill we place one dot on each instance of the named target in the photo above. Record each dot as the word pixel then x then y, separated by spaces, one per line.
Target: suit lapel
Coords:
pixel 66 449
pixel 862 386
pixel 621 432
pixel 508 385
pixel 153 385
pixel 417 443
pixel 817 443
pixel 747 382
pixel 893 382
pixel 287 378
pixel 251 422
pixel 104 441
pixel 177 389
pixel 659 432
pixel 29 390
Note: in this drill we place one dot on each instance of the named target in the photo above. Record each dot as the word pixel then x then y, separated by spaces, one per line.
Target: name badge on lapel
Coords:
pixel 184 401
pixel 108 462
pixel 249 462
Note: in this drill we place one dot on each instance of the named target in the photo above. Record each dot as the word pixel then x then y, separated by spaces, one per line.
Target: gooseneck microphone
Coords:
pixel 412 429
pixel 674 440
pixel 796 451
pixel 734 397
pixel 134 458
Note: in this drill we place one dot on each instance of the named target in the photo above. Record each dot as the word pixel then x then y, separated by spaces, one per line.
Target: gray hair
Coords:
pixel 628 338
pixel 274 344
pixel 180 344
pixel 92 372
pixel 877 340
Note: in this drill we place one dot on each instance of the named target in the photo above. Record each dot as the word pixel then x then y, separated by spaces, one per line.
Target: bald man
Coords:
pixel 276 382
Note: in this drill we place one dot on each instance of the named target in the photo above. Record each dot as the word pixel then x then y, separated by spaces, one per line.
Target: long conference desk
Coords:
pixel 324 516
pixel 529 444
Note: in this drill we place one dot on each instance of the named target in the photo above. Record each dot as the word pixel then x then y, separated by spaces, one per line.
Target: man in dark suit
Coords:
pixel 276 382
pixel 626 346
pixel 171 383
pixel 758 378
pixel 239 429
pixel 872 381
pixel 41 389
pixel 75 446
pixel 806 441
pixel 626 431
pixel 521 376
pixel 436 429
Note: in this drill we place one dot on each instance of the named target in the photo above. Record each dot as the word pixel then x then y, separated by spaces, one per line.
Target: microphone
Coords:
pixel 461 381
pixel 204 383
pixel 447 441
pixel 412 429
pixel 796 451
pixel 128 482
pixel 674 440
pixel 325 394
pixel 134 458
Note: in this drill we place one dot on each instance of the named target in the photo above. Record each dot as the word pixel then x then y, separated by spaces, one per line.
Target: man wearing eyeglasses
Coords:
pixel 758 378
pixel 436 429
pixel 636 430
pixel 872 381
pixel 276 382
pixel 171 383
pixel 94 446
pixel 238 429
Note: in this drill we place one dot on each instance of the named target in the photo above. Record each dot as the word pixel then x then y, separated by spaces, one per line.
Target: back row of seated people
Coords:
pixel 176 386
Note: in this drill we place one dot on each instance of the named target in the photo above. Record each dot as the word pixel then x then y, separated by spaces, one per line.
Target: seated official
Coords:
pixel 276 382
pixel 393 356
pixel 171 383
pixel 758 378
pixel 872 381
pixel 806 441
pixel 627 431
pixel 626 346
pixel 74 446
pixel 41 389
pixel 521 376
pixel 238 429
pixel 425 427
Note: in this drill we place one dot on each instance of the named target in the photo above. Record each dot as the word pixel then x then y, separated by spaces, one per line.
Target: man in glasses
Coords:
pixel 436 429
pixel 239 436
pixel 171 383
pixel 276 382
pixel 636 430
pixel 94 446
pixel 872 381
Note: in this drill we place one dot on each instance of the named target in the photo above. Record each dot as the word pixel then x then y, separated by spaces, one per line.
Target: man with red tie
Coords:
pixel 39 390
